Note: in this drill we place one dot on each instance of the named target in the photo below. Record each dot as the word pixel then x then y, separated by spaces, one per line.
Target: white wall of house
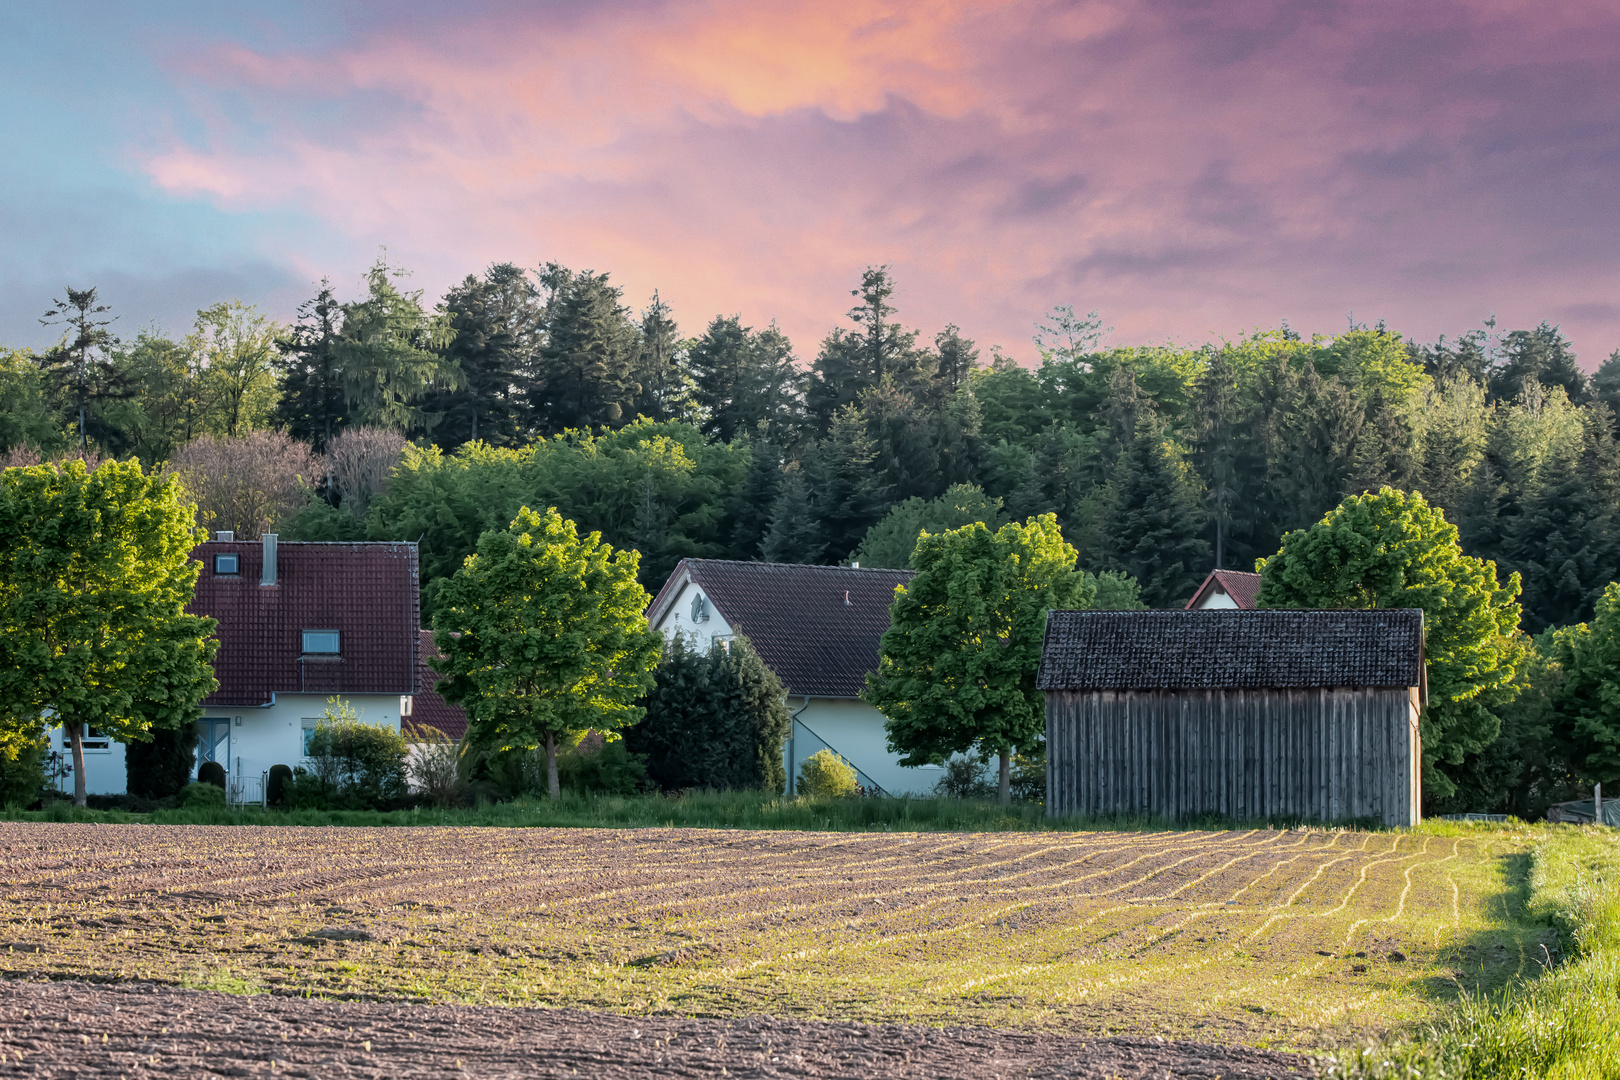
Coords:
pixel 254 740
pixel 854 730
pixel 1217 599
pixel 701 633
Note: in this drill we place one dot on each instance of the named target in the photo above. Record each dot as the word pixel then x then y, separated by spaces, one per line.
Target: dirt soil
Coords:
pixel 140 1030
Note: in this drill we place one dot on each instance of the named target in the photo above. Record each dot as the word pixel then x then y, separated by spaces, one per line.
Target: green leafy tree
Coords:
pixel 957 665
pixel 95 574
pixel 891 541
pixel 238 346
pixel 25 418
pixel 1393 550
pixel 544 633
pixel 1587 721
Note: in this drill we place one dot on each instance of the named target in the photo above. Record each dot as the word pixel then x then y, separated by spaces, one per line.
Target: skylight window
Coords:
pixel 227 564
pixel 321 641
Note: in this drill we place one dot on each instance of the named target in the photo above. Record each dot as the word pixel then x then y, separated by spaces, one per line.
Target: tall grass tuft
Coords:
pixel 1563 1025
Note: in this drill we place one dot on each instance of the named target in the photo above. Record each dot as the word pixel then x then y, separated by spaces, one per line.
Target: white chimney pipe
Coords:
pixel 225 536
pixel 268 577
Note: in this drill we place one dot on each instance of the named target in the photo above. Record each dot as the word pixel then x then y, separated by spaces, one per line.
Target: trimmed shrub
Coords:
pixel 277 786
pixel 825 773
pixel 715 720
pixel 202 795
pixel 22 768
pixel 159 767
pixel 212 772
pixel 352 766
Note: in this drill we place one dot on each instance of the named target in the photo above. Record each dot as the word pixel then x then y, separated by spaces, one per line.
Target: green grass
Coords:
pixel 698 810
pixel 1564 1025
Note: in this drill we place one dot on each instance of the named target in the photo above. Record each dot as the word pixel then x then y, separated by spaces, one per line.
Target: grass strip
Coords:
pixel 1563 1025
pixel 695 810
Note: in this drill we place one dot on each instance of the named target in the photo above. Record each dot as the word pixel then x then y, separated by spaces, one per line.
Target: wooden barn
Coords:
pixel 1248 714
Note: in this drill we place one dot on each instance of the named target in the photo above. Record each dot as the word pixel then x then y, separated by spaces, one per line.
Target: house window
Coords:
pixel 227 564
pixel 95 741
pixel 321 641
pixel 310 724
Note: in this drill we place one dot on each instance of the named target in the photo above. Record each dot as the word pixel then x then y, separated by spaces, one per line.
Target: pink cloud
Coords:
pixel 1191 170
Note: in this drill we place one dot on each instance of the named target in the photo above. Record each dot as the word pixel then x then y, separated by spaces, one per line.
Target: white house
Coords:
pixel 817 628
pixel 298 623
pixel 1226 590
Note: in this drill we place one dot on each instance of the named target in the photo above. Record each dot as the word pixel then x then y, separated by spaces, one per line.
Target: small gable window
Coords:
pixel 226 564
pixel 321 641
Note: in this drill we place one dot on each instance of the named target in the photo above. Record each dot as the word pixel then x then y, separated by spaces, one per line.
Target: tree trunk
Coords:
pixel 552 788
pixel 1006 777
pixel 75 733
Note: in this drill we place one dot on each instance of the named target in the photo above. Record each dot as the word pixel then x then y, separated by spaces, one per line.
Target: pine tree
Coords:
pixel 793 535
pixel 665 388
pixel 1542 356
pixel 313 407
pixel 905 461
pixel 1216 451
pixel 848 495
pixel 748 512
pixel 80 371
pixel 494 322
pixel 1154 530
pixel 850 364
pixel 587 365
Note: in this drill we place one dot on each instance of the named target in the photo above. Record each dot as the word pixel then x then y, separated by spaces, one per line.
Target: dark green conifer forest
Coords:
pixel 379 415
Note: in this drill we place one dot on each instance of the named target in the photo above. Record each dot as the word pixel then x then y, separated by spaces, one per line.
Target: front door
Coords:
pixel 214 743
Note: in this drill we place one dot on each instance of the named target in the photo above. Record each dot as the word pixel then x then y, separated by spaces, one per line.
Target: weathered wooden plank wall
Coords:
pixel 1320 754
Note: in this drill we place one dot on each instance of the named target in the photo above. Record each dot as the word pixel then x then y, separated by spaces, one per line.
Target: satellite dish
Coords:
pixel 700 608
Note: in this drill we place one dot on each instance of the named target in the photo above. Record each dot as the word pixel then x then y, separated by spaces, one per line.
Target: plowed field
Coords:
pixel 1261 937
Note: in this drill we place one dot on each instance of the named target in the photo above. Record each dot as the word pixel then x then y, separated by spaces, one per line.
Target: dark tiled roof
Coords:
pixel 1183 650
pixel 367 592
pixel 428 709
pixel 1243 588
pixel 817 627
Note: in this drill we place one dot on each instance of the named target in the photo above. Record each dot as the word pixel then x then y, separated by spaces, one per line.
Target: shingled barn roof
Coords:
pixel 1243 588
pixel 428 709
pixel 817 627
pixel 1227 649
pixel 365 591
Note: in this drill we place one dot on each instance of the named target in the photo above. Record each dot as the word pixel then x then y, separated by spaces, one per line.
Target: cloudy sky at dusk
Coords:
pixel 1191 169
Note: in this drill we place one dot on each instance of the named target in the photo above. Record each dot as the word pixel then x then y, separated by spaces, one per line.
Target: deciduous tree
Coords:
pixel 957 665
pixel 1393 550
pixel 95 574
pixel 543 633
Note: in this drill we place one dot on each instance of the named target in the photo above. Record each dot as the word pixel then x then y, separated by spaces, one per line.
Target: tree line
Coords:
pixel 383 417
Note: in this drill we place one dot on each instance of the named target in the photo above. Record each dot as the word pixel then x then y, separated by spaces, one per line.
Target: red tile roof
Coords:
pixel 365 591
pixel 428 709
pixel 1243 588
pixel 817 627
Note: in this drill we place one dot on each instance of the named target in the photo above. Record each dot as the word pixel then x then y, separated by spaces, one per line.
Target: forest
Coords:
pixel 382 417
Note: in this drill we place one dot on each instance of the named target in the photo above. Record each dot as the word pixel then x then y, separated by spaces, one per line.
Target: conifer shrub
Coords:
pixel 277 786
pixel 157 768
pixel 826 774
pixel 211 772
pixel 715 720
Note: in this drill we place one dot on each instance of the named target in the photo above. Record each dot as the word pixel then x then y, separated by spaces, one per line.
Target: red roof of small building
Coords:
pixel 1241 587
pixel 367 592
pixel 428 709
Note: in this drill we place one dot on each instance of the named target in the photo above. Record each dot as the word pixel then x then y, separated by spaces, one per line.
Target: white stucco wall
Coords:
pixel 854 730
pixel 1217 599
pixel 257 739
pixel 678 620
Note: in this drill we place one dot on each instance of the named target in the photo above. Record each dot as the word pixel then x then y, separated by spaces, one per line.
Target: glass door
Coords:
pixel 214 742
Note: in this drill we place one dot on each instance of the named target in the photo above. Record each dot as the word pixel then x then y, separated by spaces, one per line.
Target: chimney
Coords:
pixel 225 536
pixel 269 575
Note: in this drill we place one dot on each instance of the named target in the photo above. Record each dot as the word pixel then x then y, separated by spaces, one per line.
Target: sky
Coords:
pixel 1192 170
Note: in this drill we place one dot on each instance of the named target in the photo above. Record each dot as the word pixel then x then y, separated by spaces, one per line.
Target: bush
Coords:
pixel 159 767
pixel 202 795
pixel 433 766
pixel 278 786
pixel 1029 774
pixel 353 766
pixel 825 773
pixel 965 778
pixel 22 768
pixel 715 720
pixel 603 768
pixel 211 772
